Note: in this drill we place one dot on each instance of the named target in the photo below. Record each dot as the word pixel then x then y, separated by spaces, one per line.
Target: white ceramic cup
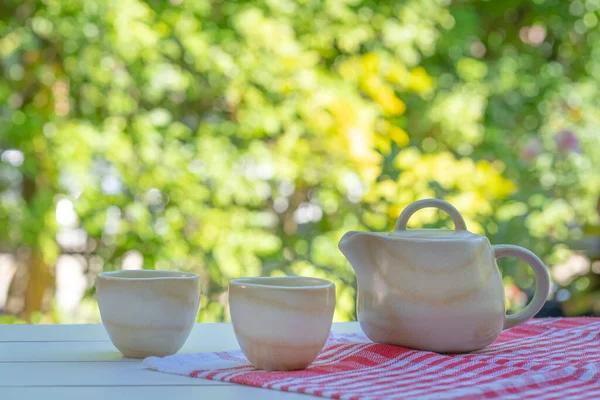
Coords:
pixel 281 323
pixel 148 312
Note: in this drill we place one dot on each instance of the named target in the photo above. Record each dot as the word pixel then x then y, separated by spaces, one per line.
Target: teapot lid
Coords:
pixel 460 231
pixel 433 234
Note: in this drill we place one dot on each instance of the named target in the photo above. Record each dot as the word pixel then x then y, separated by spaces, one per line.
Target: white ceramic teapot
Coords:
pixel 435 289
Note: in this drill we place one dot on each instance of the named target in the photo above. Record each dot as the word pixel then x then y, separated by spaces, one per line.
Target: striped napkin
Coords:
pixel 543 359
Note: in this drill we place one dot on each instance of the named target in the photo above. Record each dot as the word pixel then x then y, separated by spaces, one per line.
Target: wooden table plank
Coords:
pixel 224 392
pixel 90 373
pixel 52 333
pixel 96 332
pixel 77 333
pixel 59 351
pixel 78 361
pixel 204 338
pixel 96 351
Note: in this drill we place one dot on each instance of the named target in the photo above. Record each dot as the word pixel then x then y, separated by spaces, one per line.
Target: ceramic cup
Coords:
pixel 148 313
pixel 281 323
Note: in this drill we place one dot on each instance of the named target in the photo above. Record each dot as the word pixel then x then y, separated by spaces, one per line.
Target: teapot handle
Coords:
pixel 542 282
pixel 459 222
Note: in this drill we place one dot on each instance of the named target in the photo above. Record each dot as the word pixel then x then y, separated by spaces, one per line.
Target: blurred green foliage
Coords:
pixel 245 137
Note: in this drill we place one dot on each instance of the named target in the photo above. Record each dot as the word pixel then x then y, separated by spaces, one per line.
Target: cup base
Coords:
pixel 141 341
pixel 278 357
pixel 137 354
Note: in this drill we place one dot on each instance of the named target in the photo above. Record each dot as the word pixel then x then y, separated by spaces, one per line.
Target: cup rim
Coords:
pixel 146 275
pixel 283 282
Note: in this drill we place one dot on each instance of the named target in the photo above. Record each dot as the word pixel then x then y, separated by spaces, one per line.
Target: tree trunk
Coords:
pixel 40 279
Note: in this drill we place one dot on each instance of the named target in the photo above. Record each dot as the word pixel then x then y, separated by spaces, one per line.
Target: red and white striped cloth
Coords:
pixel 542 359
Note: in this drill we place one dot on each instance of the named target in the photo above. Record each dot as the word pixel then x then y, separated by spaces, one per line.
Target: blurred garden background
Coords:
pixel 243 138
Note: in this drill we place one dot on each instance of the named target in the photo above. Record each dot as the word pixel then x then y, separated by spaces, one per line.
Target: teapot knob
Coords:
pixel 457 218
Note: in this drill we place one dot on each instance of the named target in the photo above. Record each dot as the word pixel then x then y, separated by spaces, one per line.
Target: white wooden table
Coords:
pixel 47 362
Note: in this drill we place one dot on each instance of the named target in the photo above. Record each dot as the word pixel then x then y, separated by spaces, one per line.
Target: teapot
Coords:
pixel 435 289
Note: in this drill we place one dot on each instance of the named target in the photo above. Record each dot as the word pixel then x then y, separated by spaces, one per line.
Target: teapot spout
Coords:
pixel 356 247
pixel 347 243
